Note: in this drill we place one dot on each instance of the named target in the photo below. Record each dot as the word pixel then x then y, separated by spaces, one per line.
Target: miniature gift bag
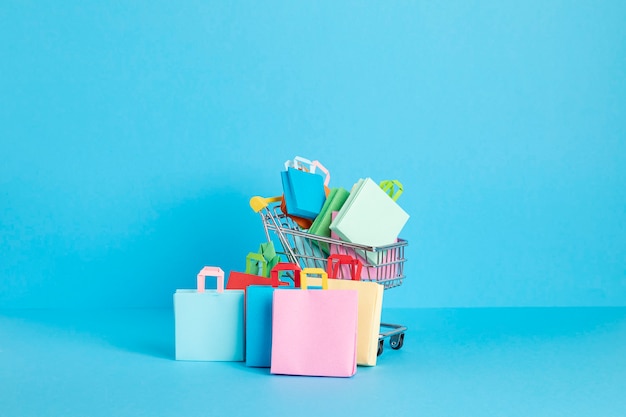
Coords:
pixel 209 324
pixel 370 304
pixel 257 271
pixel 386 264
pixel 314 331
pixel 259 315
pixel 304 190
pixel 320 227
pixel 262 261
pixel 257 324
pixel 369 217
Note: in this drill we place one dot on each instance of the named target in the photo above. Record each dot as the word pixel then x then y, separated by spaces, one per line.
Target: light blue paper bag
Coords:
pixel 209 324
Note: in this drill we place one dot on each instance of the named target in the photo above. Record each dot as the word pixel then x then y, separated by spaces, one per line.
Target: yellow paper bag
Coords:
pixel 370 308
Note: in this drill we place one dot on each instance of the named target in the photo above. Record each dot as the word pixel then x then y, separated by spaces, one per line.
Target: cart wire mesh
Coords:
pixel 381 264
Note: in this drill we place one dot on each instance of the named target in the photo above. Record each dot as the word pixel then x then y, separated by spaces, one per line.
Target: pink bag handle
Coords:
pixel 332 268
pixel 211 271
pixel 319 165
pixel 285 266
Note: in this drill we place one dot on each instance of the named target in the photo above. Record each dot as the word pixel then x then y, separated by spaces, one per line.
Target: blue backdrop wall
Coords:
pixel 132 135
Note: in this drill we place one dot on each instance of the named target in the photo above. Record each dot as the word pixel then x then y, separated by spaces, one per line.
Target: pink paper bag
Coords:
pixel 314 331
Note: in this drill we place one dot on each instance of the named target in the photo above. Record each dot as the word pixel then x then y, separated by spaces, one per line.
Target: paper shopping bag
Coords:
pixel 303 189
pixel 241 281
pixel 369 217
pixel 320 226
pixel 256 272
pixel 370 304
pixel 259 315
pixel 262 261
pixel 314 331
pixel 209 324
pixel 386 267
pixel 303 223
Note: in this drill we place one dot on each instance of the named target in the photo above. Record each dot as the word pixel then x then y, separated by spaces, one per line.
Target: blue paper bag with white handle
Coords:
pixel 209 324
pixel 303 188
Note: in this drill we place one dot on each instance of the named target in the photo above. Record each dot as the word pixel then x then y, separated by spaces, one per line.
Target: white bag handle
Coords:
pixel 318 164
pixel 299 162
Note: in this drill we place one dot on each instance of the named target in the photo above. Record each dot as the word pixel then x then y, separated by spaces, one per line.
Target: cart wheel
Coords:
pixel 381 344
pixel 397 341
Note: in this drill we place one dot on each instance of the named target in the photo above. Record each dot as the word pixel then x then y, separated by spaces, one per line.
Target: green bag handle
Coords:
pixel 269 253
pixel 252 260
pixel 266 256
pixel 393 188
pixel 271 264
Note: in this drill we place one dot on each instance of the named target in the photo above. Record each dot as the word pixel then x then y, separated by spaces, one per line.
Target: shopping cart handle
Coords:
pixel 259 203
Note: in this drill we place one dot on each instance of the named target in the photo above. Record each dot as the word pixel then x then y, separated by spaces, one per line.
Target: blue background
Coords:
pixel 132 135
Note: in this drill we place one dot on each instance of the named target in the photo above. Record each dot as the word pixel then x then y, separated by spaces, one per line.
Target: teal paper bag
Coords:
pixel 209 324
pixel 304 192
pixel 259 325
pixel 259 316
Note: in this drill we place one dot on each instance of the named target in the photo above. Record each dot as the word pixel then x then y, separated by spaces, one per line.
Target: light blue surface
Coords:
pixel 132 135
pixel 465 362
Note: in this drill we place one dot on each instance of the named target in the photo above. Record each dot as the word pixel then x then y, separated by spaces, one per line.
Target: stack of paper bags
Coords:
pixel 369 217
pixel 370 304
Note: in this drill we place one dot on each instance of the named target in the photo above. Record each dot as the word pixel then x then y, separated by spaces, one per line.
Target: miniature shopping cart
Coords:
pixel 303 248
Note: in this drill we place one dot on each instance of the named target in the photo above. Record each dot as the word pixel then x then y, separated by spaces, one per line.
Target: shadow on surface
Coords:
pixel 142 331
pixel 151 331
